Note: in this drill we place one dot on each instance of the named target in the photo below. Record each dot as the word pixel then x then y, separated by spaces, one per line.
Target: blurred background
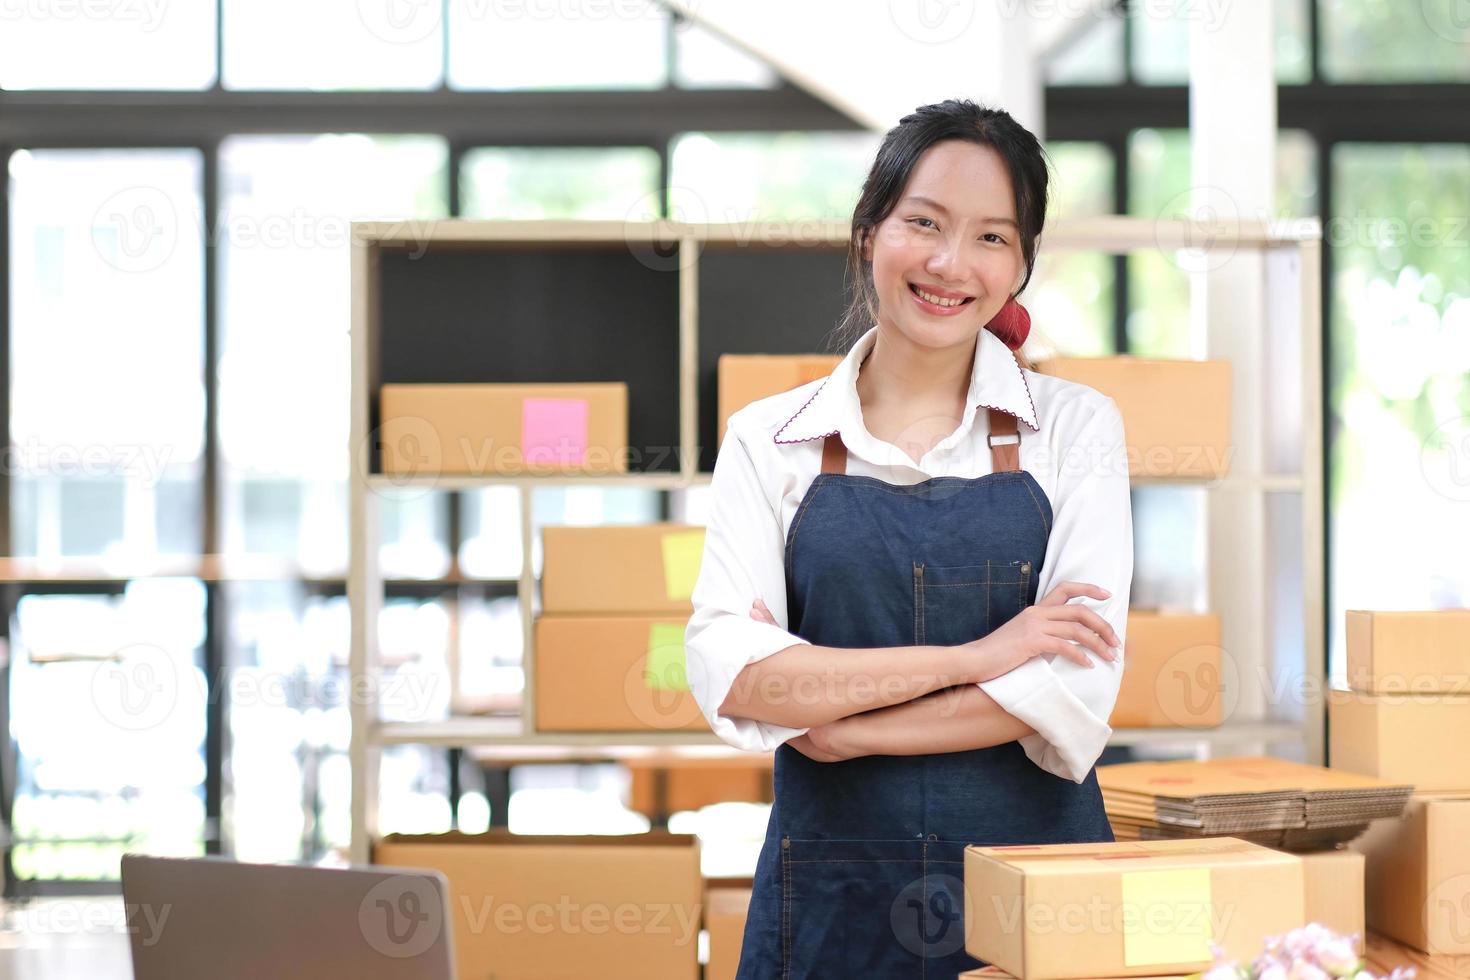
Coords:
pixel 180 179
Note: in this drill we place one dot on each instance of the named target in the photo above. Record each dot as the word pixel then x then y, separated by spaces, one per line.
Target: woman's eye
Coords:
pixel 927 223
pixel 998 239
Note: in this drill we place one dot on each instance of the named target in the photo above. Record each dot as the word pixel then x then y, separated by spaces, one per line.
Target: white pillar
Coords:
pixel 1232 112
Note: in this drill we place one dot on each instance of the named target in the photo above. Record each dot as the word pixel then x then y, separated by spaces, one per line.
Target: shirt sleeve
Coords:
pixel 744 548
pixel 1091 541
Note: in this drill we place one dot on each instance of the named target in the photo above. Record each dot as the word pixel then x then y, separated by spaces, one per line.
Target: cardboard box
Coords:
pixel 613 674
pixel 1126 909
pixel 661 786
pixel 1176 414
pixel 1407 738
pixel 1334 889
pixel 515 429
pixel 1409 652
pixel 634 568
pixel 1418 874
pixel 537 908
pixel 996 973
pixel 1171 672
pixel 724 917
pixel 743 378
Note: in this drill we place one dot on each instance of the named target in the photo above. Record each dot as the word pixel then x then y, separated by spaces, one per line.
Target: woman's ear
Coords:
pixel 867 243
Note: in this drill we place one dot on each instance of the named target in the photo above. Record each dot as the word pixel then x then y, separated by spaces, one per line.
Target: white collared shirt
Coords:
pixel 1071 443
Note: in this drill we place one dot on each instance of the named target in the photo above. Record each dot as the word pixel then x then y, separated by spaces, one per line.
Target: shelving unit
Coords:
pixel 406 273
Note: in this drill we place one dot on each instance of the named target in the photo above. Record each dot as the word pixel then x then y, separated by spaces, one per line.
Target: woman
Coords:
pixel 877 543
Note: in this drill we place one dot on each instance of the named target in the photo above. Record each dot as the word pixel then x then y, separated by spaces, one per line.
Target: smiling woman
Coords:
pixel 891 562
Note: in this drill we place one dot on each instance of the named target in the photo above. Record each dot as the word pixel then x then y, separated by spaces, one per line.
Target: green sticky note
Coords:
pixel 664 669
pixel 1167 916
pixel 682 552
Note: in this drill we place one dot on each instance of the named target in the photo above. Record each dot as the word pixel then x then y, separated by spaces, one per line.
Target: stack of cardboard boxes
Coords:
pixel 609 644
pixel 1407 718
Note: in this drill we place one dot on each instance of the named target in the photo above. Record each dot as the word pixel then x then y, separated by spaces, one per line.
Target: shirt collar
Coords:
pixel 996 381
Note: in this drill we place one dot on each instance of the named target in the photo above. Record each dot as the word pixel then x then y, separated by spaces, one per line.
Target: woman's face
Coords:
pixel 949 255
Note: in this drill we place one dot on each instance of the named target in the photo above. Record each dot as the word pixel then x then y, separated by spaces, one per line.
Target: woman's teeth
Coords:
pixel 937 300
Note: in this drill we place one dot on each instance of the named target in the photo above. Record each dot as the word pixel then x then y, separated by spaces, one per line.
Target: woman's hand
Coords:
pixel 818 743
pixel 1050 626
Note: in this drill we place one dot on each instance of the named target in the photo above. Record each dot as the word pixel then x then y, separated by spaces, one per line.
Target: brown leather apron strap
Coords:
pixel 834 455
pixel 1005 442
pixel 1004 439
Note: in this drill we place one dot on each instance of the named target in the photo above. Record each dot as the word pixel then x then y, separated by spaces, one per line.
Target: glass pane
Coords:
pixel 107 714
pixel 415 534
pixel 736 176
pixel 332 44
pixel 1400 379
pixel 613 183
pixel 514 45
pixel 1377 42
pixel 286 798
pixel 1071 296
pixel 1159 182
pixel 1090 54
pixel 107 386
pixel 492 533
pixel 287 203
pixel 1161 34
pixel 144 44
pixel 706 60
pixel 1293 41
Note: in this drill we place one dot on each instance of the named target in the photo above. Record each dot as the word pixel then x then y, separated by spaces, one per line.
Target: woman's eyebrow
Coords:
pixel 930 202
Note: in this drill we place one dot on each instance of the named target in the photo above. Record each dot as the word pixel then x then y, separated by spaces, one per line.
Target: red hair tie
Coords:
pixel 1011 324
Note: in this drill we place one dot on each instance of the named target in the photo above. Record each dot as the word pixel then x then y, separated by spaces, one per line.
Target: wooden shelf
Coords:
pixel 506 733
pixel 409 318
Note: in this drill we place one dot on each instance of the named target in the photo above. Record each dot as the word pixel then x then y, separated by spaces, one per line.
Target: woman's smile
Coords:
pixel 939 302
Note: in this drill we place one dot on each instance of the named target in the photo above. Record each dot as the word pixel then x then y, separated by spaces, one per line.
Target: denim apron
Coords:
pixel 861 871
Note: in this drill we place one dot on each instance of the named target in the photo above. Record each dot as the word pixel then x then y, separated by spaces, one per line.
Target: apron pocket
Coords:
pixel 955 604
pixel 880 908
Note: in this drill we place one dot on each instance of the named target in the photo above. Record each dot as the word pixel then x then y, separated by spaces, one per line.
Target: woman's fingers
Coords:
pixel 1068 590
pixel 759 611
pixel 1088 618
pixel 1086 637
pixel 1073 652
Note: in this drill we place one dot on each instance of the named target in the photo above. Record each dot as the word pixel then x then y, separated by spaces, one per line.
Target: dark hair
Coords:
pixel 953 119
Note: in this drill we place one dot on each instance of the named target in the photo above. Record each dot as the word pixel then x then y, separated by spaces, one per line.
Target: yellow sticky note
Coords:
pixel 1166 916
pixel 664 670
pixel 682 552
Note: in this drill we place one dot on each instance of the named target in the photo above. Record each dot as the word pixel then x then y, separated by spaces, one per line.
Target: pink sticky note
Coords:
pixel 554 430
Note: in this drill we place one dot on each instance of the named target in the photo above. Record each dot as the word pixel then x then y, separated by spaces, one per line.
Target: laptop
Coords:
pixel 213 918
